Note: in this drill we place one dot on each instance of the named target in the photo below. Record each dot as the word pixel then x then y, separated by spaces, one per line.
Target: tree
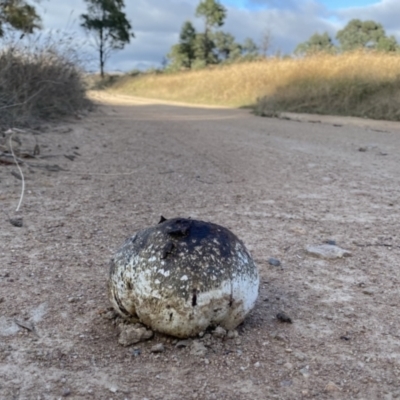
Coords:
pixel 204 50
pixel 111 28
pixel 214 14
pixel 265 44
pixel 315 44
pixel 359 34
pixel 183 54
pixel 250 49
pixel 225 46
pixel 19 15
pixel 187 39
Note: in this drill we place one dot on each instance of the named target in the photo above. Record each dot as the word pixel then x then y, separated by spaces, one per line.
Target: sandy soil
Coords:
pixel 280 185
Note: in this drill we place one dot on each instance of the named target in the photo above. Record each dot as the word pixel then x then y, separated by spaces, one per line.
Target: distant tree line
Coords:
pixel 355 35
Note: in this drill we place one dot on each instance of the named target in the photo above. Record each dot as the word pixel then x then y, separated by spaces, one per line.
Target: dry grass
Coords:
pixel 40 79
pixel 362 84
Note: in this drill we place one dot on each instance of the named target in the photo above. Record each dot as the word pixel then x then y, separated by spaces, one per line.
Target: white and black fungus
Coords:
pixel 182 276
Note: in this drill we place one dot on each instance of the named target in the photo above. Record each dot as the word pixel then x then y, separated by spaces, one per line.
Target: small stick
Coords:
pixel 20 171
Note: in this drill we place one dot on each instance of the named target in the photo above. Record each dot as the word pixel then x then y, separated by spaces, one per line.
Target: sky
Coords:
pixel 157 23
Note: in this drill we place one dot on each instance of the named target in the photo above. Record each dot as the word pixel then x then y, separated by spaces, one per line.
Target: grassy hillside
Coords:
pixel 360 84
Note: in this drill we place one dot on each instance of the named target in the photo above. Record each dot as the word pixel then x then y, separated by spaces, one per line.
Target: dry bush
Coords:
pixel 362 83
pixel 40 79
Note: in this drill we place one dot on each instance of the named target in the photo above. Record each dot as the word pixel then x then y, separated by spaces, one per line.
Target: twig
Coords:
pixel 24 102
pixel 376 245
pixel 20 171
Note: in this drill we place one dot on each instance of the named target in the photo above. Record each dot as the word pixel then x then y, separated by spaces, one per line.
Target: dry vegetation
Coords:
pixel 40 79
pixel 362 84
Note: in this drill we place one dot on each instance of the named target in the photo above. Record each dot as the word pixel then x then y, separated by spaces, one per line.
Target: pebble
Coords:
pixel 283 317
pixel 72 299
pixel 278 336
pixel 110 315
pixel 327 251
pixel 18 222
pixel 233 334
pixel 133 334
pixel 198 349
pixel 136 352
pixel 288 365
pixel 257 364
pixel 368 292
pixel 332 387
pixel 274 261
pixel 305 372
pixel 331 242
pixel 158 348
pixel 182 344
pixel 219 332
pixel 66 392
pixel 299 356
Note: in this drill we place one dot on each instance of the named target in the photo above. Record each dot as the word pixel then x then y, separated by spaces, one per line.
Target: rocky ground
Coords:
pixel 283 186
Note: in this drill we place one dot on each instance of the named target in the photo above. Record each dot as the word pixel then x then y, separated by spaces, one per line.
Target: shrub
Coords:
pixel 40 79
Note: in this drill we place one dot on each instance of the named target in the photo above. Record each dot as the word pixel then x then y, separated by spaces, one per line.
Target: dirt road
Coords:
pixel 280 185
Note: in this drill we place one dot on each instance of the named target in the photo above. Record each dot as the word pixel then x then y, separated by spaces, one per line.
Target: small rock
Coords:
pixel 136 352
pixel 66 392
pixel 233 334
pixel 206 337
pixel 283 317
pixel 182 344
pixel 288 366
pixel 198 349
pixel 158 348
pixel 133 334
pixel 331 242
pixel 18 222
pixel 300 356
pixel 327 251
pixel 368 292
pixel 332 387
pixel 274 261
pixel 363 149
pixel 257 364
pixel 305 372
pixel 279 337
pixel 110 315
pixel 346 338
pixel 219 332
pixel 72 299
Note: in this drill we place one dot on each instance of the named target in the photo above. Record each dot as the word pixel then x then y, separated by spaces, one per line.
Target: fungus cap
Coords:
pixel 182 276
